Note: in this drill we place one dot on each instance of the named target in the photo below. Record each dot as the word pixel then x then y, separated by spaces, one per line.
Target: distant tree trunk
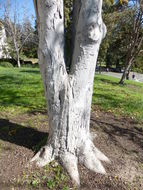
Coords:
pixel 126 72
pixel 136 40
pixel 17 51
pixel 18 59
pixel 15 34
pixel 108 61
pixel 69 95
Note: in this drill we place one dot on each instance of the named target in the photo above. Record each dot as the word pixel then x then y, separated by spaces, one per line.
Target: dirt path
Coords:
pixel 121 139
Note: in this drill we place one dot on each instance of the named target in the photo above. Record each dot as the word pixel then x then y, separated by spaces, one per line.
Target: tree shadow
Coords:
pixel 115 130
pixel 114 83
pixel 21 92
pixel 31 71
pixel 21 135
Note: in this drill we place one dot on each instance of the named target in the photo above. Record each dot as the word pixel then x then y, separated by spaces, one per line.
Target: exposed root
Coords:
pixel 70 163
pixel 91 157
pixel 99 155
pixel 88 155
pixel 44 156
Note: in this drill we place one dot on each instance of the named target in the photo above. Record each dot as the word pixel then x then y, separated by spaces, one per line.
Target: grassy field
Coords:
pixel 126 100
pixel 21 91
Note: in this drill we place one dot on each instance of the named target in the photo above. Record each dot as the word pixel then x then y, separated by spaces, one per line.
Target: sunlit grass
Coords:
pixel 121 99
pixel 21 90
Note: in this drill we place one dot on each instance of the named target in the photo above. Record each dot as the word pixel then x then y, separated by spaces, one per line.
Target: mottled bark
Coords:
pixel 69 95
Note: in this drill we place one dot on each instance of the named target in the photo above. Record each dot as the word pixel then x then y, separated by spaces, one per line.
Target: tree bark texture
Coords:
pixel 69 95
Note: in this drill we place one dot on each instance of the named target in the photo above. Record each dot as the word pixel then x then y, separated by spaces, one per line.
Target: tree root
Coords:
pixel 70 162
pixel 44 156
pixel 91 157
pixel 88 155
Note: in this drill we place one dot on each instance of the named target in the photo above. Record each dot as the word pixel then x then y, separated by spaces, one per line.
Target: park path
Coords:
pixel 138 76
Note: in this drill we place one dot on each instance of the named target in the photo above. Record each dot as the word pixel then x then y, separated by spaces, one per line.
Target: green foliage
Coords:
pixel 68 6
pixel 67 11
pixel 138 65
pixel 6 64
pixel 53 177
pixel 119 19
pixel 51 184
pixel 30 66
pixel 59 177
pixel 30 52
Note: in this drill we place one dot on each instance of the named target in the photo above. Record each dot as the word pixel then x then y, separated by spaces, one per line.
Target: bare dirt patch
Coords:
pixel 121 139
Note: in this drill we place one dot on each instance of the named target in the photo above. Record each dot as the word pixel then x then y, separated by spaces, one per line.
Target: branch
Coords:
pixel 24 41
pixel 90 30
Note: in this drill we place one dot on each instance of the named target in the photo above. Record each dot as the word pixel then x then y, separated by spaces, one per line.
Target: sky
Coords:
pixel 23 7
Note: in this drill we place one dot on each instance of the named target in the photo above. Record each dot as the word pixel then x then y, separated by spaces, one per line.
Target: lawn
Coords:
pixel 21 90
pixel 126 100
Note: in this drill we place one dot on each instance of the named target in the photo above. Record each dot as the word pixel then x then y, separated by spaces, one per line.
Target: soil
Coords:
pixel 119 138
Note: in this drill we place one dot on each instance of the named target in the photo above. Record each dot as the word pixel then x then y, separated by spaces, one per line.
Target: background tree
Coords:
pixel 14 28
pixel 29 40
pixel 69 94
pixel 135 38
pixel 119 18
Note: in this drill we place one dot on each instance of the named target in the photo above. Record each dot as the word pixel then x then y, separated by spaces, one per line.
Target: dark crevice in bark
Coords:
pixel 71 29
pixel 67 131
pixel 60 100
pixel 76 12
pixel 60 16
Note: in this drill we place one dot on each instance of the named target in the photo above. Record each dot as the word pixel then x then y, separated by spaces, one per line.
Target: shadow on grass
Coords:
pixel 125 101
pixel 22 136
pixel 30 71
pixel 21 91
pixel 14 80
pixel 109 81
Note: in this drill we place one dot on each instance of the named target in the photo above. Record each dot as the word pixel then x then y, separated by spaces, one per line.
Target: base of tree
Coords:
pixel 88 155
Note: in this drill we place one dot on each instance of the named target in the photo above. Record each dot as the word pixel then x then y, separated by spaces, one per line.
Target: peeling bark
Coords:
pixel 69 95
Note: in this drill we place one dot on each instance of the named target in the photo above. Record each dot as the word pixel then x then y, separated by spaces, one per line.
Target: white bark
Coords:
pixel 69 95
pixel 4 50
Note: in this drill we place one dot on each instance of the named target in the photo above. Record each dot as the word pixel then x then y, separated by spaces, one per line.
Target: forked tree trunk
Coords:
pixel 69 95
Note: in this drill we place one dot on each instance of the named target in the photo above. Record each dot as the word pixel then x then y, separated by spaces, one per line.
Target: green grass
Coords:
pixel 124 100
pixel 21 91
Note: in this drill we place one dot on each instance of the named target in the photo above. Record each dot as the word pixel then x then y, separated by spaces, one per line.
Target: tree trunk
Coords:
pixel 18 60
pixel 126 72
pixel 17 52
pixel 69 95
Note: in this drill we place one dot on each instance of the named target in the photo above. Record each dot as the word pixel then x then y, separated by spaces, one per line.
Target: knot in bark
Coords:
pixel 93 32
